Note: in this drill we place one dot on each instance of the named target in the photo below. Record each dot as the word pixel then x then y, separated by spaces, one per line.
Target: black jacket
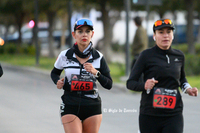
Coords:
pixel 1 71
pixel 166 66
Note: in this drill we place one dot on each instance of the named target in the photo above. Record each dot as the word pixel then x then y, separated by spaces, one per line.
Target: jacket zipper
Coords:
pixel 168 61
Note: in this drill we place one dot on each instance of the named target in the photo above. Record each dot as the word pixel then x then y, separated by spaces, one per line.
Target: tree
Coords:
pixel 106 6
pixel 50 8
pixel 64 17
pixel 5 19
pixel 171 5
pixel 198 17
pixel 17 9
pixel 190 10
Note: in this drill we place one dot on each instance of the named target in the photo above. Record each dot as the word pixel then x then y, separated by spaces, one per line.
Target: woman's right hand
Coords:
pixel 60 83
pixel 150 83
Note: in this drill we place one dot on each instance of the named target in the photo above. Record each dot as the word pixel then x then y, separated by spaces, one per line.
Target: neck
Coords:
pixel 164 48
pixel 82 51
pixel 82 48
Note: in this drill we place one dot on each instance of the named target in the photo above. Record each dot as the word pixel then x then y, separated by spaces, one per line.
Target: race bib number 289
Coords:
pixel 164 98
pixel 164 101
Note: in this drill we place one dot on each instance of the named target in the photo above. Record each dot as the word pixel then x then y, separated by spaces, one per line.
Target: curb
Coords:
pixel 25 69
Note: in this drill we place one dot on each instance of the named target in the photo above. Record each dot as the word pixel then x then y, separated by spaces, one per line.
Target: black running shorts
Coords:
pixel 81 111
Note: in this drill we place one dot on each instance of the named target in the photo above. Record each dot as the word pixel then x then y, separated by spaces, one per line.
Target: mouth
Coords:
pixel 84 40
pixel 165 40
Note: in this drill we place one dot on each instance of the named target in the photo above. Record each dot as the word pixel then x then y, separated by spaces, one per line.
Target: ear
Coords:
pixel 73 34
pixel 172 37
pixel 154 38
pixel 92 34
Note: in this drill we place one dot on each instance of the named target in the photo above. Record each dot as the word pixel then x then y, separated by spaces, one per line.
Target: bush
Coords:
pixel 197 48
pixel 117 47
pixel 184 48
pixel 192 63
pixel 10 48
pixel 181 47
pixel 31 50
pixel 2 50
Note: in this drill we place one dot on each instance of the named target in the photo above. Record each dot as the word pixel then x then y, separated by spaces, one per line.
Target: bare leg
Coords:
pixel 92 124
pixel 71 124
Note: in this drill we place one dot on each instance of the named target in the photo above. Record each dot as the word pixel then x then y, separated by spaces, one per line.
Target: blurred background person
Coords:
pixel 140 41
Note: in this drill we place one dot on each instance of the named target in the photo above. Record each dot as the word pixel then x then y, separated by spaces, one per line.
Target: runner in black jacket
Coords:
pixel 1 71
pixel 163 68
pixel 83 65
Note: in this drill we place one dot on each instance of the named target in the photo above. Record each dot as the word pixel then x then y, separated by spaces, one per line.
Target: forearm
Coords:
pixel 105 80
pixel 134 85
pixel 55 75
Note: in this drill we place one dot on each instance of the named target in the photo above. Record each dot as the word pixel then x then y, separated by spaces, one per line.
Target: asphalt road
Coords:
pixel 29 103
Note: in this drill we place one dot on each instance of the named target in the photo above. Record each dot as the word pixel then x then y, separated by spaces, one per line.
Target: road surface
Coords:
pixel 29 103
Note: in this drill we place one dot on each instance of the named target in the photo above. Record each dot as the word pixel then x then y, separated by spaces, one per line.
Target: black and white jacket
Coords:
pixel 68 62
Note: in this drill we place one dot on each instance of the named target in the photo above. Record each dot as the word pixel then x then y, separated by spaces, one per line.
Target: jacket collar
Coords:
pixel 168 51
pixel 70 52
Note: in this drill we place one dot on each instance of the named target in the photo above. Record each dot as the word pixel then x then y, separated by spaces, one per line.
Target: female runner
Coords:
pixel 161 103
pixel 83 66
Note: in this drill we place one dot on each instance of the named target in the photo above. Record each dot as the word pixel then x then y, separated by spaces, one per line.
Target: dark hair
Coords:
pixel 138 20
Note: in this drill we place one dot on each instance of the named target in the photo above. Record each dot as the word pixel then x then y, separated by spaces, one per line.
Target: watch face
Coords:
pixel 98 74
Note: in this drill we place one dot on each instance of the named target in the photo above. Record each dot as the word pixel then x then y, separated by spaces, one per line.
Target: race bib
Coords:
pixel 81 83
pixel 164 98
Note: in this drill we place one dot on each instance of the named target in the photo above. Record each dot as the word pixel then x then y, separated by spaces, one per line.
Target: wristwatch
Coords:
pixel 97 74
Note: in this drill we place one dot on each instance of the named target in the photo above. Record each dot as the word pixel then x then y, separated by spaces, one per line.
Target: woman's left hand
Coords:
pixel 192 92
pixel 89 68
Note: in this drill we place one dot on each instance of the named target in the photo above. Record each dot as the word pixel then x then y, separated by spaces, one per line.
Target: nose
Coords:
pixel 166 35
pixel 84 33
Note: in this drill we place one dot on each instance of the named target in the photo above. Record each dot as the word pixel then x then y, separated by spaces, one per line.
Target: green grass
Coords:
pixel 117 70
pixel 28 60
pixel 194 81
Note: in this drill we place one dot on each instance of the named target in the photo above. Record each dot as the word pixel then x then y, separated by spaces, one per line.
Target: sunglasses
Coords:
pixel 161 22
pixel 84 22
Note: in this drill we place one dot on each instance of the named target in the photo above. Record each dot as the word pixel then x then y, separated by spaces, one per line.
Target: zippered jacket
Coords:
pixel 166 66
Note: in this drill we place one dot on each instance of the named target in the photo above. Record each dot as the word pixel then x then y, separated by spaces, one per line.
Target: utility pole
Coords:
pixel 147 18
pixel 127 8
pixel 69 22
pixel 35 28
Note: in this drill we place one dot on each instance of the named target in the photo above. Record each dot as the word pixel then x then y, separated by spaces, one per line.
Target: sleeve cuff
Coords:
pixel 185 87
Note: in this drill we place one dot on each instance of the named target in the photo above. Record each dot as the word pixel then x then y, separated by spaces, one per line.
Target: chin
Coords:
pixel 84 43
pixel 166 46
